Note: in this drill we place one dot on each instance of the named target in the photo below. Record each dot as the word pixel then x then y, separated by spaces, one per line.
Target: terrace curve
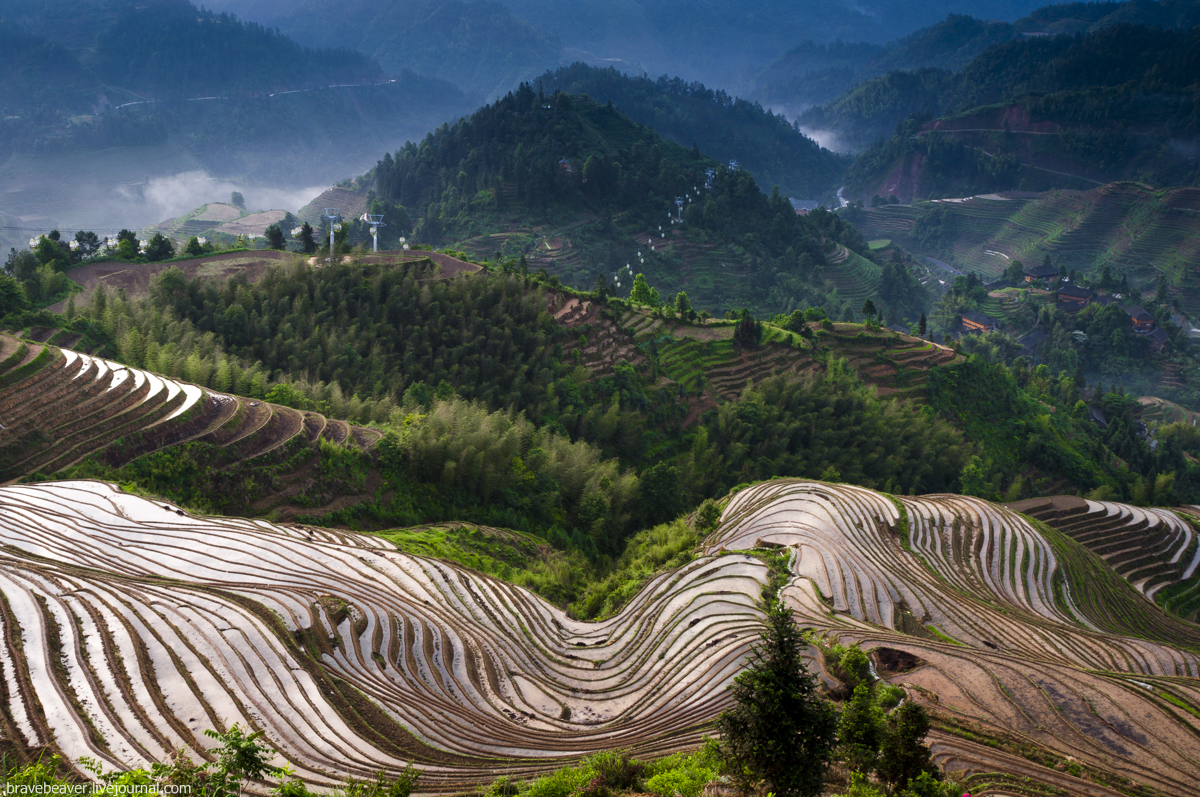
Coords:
pixel 58 406
pixel 353 657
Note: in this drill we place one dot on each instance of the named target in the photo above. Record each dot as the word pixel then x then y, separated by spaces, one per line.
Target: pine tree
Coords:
pixel 903 756
pixel 779 731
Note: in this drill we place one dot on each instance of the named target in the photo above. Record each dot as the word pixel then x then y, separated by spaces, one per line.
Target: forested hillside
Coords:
pixel 723 127
pixel 37 72
pixel 581 190
pixel 1063 111
pixel 817 74
pixel 692 409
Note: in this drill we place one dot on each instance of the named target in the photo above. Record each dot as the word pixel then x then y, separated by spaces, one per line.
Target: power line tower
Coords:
pixel 333 216
pixel 376 221
pixel 679 204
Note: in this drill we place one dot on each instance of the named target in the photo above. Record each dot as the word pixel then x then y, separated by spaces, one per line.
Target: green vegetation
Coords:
pixel 779 733
pixel 535 168
pixel 1070 104
pixel 237 758
pixel 688 113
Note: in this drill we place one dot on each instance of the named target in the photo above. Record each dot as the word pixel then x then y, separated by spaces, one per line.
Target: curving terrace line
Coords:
pixel 353 657
pixel 68 406
pixel 1014 656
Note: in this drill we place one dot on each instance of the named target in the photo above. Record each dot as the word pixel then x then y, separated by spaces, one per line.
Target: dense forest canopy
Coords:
pixel 532 159
pixel 36 72
pixel 724 127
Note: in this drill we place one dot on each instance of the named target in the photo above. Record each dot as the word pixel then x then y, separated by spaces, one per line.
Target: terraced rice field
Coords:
pixel 1151 548
pixel 1162 411
pixel 58 406
pixel 692 355
pixel 856 277
pixel 1001 641
pixel 352 656
pixel 1132 228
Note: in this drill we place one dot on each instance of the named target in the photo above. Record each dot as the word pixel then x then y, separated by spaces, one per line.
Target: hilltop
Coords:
pixel 578 188
pixel 773 150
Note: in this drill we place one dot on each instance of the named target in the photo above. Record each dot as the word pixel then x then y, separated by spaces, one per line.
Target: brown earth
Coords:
pixel 254 224
pixel 136 278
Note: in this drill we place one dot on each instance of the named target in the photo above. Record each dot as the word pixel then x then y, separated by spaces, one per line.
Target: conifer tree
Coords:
pixel 780 730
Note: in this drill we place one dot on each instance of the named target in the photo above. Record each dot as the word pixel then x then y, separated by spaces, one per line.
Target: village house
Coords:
pixel 1158 340
pixel 1043 273
pixel 975 321
pixel 1030 342
pixel 1142 320
pixel 1073 298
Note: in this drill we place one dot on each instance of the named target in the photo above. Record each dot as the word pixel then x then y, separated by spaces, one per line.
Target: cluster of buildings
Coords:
pixel 1071 299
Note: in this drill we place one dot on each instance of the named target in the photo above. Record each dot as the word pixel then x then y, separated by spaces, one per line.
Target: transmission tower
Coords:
pixel 679 204
pixel 333 216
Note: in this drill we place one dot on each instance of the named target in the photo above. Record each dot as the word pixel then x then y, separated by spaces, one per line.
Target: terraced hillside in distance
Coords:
pixel 704 360
pixel 1132 228
pixel 59 407
pixel 130 626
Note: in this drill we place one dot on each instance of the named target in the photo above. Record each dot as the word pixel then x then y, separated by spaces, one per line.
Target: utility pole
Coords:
pixel 333 216
pixel 376 221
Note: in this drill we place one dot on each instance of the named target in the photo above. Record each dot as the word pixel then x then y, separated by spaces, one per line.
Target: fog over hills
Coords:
pixel 714 41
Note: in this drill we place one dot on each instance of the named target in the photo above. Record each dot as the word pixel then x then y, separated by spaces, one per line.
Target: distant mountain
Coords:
pixel 725 127
pixel 813 73
pixel 240 97
pixel 1119 103
pixel 479 45
pixel 164 88
pixel 171 49
pixel 714 41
